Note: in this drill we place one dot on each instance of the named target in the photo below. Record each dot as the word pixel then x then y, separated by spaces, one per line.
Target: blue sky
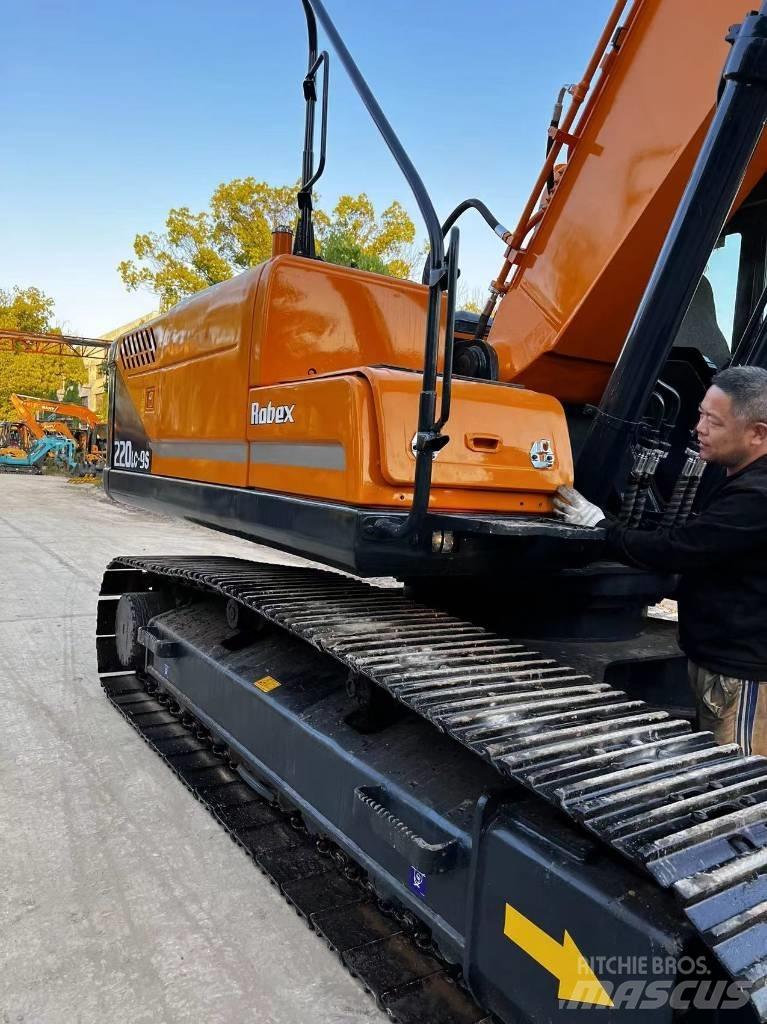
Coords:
pixel 112 114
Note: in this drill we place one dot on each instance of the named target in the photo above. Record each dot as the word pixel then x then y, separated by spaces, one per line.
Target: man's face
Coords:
pixel 723 437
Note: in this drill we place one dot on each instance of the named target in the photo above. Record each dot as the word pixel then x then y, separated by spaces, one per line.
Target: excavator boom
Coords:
pixel 572 283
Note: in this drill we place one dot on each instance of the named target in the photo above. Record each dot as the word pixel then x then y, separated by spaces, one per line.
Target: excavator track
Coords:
pixel 380 946
pixel 690 813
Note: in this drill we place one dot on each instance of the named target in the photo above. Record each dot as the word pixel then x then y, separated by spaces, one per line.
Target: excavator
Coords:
pixel 51 448
pixel 77 423
pixel 453 737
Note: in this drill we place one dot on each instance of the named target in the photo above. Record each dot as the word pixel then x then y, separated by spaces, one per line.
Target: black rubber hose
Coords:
pixel 675 502
pixel 685 509
pixel 629 500
pixel 469 204
pixel 641 500
pixel 473 204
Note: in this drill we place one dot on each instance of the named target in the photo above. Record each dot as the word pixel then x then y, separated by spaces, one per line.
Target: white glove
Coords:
pixel 573 508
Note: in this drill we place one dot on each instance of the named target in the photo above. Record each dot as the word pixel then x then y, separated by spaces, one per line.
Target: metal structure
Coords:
pixel 17 342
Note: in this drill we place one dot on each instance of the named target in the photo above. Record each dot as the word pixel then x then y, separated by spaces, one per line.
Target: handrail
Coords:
pixel 452 293
pixel 388 134
pixel 303 244
pixel 428 438
pixel 309 81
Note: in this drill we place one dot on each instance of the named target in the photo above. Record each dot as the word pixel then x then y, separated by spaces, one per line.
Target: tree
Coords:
pixel 387 242
pixel 72 392
pixel 340 247
pixel 38 375
pixel 26 309
pixel 29 309
pixel 201 249
pixel 470 300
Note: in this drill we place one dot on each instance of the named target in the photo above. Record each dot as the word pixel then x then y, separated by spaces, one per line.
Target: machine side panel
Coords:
pixel 556 917
pixel 315 437
pixel 562 324
pixel 187 391
pixel 493 433
pixel 314 318
pixel 348 438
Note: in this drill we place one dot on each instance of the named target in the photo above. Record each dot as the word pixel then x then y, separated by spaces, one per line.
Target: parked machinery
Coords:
pixel 60 451
pixel 76 422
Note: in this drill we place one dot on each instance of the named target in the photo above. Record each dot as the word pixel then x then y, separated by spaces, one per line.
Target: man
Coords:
pixel 721 554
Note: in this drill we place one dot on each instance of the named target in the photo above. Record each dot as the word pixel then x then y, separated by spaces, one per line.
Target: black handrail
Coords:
pixel 388 134
pixel 304 240
pixel 429 438
pixel 743 351
pixel 309 84
pixel 452 293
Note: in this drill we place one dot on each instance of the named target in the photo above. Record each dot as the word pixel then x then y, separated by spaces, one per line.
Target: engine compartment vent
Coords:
pixel 138 349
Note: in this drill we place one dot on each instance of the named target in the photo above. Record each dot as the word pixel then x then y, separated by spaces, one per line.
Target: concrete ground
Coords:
pixel 121 900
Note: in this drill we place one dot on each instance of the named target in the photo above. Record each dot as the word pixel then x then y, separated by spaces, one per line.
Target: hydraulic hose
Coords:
pixel 489 218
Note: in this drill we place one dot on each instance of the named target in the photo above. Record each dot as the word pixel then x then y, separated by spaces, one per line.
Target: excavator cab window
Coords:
pixel 732 288
pixel 722 276
pixel 701 328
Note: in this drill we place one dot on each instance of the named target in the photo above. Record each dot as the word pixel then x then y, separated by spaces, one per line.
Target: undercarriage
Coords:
pixel 477 812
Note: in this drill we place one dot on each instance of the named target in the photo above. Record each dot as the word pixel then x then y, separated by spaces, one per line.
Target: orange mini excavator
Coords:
pixel 481 785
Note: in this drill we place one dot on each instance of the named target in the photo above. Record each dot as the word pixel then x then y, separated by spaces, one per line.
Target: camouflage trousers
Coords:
pixel 734 710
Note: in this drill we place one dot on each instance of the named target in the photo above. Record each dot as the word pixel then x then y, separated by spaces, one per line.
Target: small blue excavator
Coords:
pixel 61 450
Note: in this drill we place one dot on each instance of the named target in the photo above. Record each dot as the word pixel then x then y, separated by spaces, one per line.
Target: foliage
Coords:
pixel 102 408
pixel 71 392
pixel 341 248
pixel 29 309
pixel 26 309
pixel 471 301
pixel 388 240
pixel 41 376
pixel 201 249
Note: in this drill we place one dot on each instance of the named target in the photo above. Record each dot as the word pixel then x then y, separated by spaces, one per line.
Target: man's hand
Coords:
pixel 573 508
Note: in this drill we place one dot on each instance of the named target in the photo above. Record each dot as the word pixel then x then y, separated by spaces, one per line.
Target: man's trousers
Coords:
pixel 734 710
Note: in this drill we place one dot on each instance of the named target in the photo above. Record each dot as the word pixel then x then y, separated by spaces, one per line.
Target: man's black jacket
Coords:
pixel 722 556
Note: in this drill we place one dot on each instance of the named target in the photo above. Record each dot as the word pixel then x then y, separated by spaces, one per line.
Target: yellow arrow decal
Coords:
pixel 577 981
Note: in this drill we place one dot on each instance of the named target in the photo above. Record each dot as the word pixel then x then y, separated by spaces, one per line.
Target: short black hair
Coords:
pixel 747 388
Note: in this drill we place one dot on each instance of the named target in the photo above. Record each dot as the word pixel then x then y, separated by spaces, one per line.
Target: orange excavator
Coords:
pixel 481 786
pixel 77 423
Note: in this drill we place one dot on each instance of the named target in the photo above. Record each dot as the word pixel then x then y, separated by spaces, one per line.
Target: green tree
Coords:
pixel 26 309
pixel 29 309
pixel 470 300
pixel 102 409
pixel 197 250
pixel 41 376
pixel 71 392
pixel 340 247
